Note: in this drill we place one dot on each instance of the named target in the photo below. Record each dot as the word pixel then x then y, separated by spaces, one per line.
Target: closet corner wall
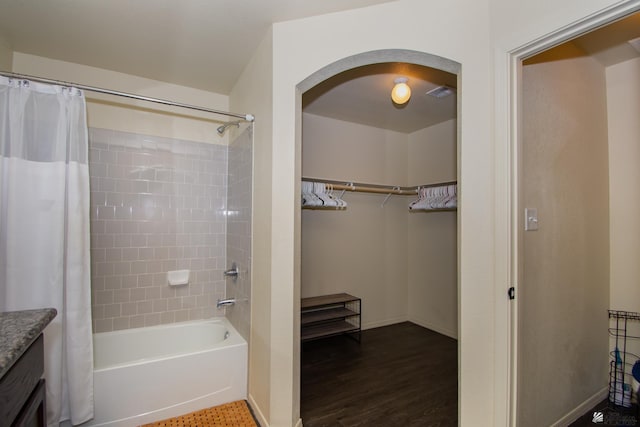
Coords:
pixel 433 238
pixel 402 264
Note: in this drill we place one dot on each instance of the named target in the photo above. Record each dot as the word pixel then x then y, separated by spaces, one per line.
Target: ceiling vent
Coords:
pixel 441 92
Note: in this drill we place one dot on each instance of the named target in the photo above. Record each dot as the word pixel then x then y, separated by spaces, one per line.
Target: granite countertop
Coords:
pixel 18 330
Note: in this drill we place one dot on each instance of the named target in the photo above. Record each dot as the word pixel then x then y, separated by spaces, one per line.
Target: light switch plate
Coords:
pixel 530 219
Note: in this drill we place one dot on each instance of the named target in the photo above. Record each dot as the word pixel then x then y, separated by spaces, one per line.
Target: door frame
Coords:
pixel 509 209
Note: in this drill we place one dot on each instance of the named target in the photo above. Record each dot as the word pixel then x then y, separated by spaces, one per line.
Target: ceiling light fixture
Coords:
pixel 401 92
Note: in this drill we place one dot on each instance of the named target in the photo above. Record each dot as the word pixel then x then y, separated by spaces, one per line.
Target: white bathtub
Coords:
pixel 149 374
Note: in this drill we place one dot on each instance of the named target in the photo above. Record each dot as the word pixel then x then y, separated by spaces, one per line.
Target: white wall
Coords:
pixel 361 250
pixel 623 106
pixel 110 112
pixel 432 236
pixel 564 293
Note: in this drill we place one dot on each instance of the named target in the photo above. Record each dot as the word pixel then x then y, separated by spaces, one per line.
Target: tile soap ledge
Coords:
pixel 18 330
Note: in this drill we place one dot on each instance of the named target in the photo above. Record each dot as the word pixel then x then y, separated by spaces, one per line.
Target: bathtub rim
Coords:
pixel 234 340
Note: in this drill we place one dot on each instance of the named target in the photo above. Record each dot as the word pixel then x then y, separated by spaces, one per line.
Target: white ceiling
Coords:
pixel 363 95
pixel 205 44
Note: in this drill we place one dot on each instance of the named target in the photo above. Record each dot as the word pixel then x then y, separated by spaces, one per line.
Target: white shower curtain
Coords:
pixel 44 232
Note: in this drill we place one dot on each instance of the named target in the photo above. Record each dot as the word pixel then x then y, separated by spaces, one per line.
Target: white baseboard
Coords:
pixel 438 329
pixel 260 416
pixel 386 322
pixel 582 408
pixel 257 412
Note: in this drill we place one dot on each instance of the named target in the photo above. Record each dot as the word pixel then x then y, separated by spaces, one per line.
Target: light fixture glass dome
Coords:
pixel 401 92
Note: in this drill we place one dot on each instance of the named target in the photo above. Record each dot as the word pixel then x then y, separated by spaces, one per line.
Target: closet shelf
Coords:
pixel 387 190
pixel 360 187
pixel 328 329
pixel 328 314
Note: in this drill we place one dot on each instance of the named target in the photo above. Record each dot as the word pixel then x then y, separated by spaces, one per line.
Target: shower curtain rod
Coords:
pixel 246 117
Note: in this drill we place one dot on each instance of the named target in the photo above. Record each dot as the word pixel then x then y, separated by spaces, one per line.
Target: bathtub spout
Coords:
pixel 225 302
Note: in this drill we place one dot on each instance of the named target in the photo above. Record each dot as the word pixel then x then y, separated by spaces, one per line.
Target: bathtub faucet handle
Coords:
pixel 232 272
pixel 225 302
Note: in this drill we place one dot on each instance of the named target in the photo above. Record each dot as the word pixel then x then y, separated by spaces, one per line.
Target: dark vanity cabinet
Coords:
pixel 22 391
pixel 22 386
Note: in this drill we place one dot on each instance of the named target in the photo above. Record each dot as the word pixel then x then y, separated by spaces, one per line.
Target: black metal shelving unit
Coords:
pixel 328 315
pixel 624 327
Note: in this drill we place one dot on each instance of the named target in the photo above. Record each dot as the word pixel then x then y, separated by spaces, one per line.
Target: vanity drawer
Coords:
pixel 20 381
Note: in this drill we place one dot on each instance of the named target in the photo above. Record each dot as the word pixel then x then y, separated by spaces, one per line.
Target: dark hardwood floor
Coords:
pixel 612 416
pixel 399 375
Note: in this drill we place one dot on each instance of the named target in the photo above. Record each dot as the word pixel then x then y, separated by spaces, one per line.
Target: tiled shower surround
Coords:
pixel 157 204
pixel 239 226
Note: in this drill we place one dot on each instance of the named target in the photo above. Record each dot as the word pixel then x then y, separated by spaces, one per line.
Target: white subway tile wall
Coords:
pixel 239 227
pixel 157 204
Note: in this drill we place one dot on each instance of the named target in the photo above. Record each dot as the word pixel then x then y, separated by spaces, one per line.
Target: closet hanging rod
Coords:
pixel 376 188
pixel 246 117
pixel 370 189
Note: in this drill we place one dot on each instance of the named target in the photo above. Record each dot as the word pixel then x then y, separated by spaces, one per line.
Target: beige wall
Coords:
pixel 515 24
pixel 461 34
pixel 520 28
pixel 6 56
pixel 343 151
pixel 110 112
pixel 433 154
pixel 478 34
pixel 402 264
pixel 432 236
pixel 484 173
pixel 361 250
pixel 623 104
pixel 253 92
pixel 564 294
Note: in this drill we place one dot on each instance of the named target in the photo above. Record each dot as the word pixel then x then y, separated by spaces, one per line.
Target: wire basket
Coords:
pixel 624 327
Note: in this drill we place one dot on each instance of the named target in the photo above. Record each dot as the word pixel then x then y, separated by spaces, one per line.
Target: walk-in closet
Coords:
pixel 379 256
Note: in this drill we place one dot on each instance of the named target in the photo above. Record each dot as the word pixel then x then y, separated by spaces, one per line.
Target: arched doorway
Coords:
pixel 338 70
